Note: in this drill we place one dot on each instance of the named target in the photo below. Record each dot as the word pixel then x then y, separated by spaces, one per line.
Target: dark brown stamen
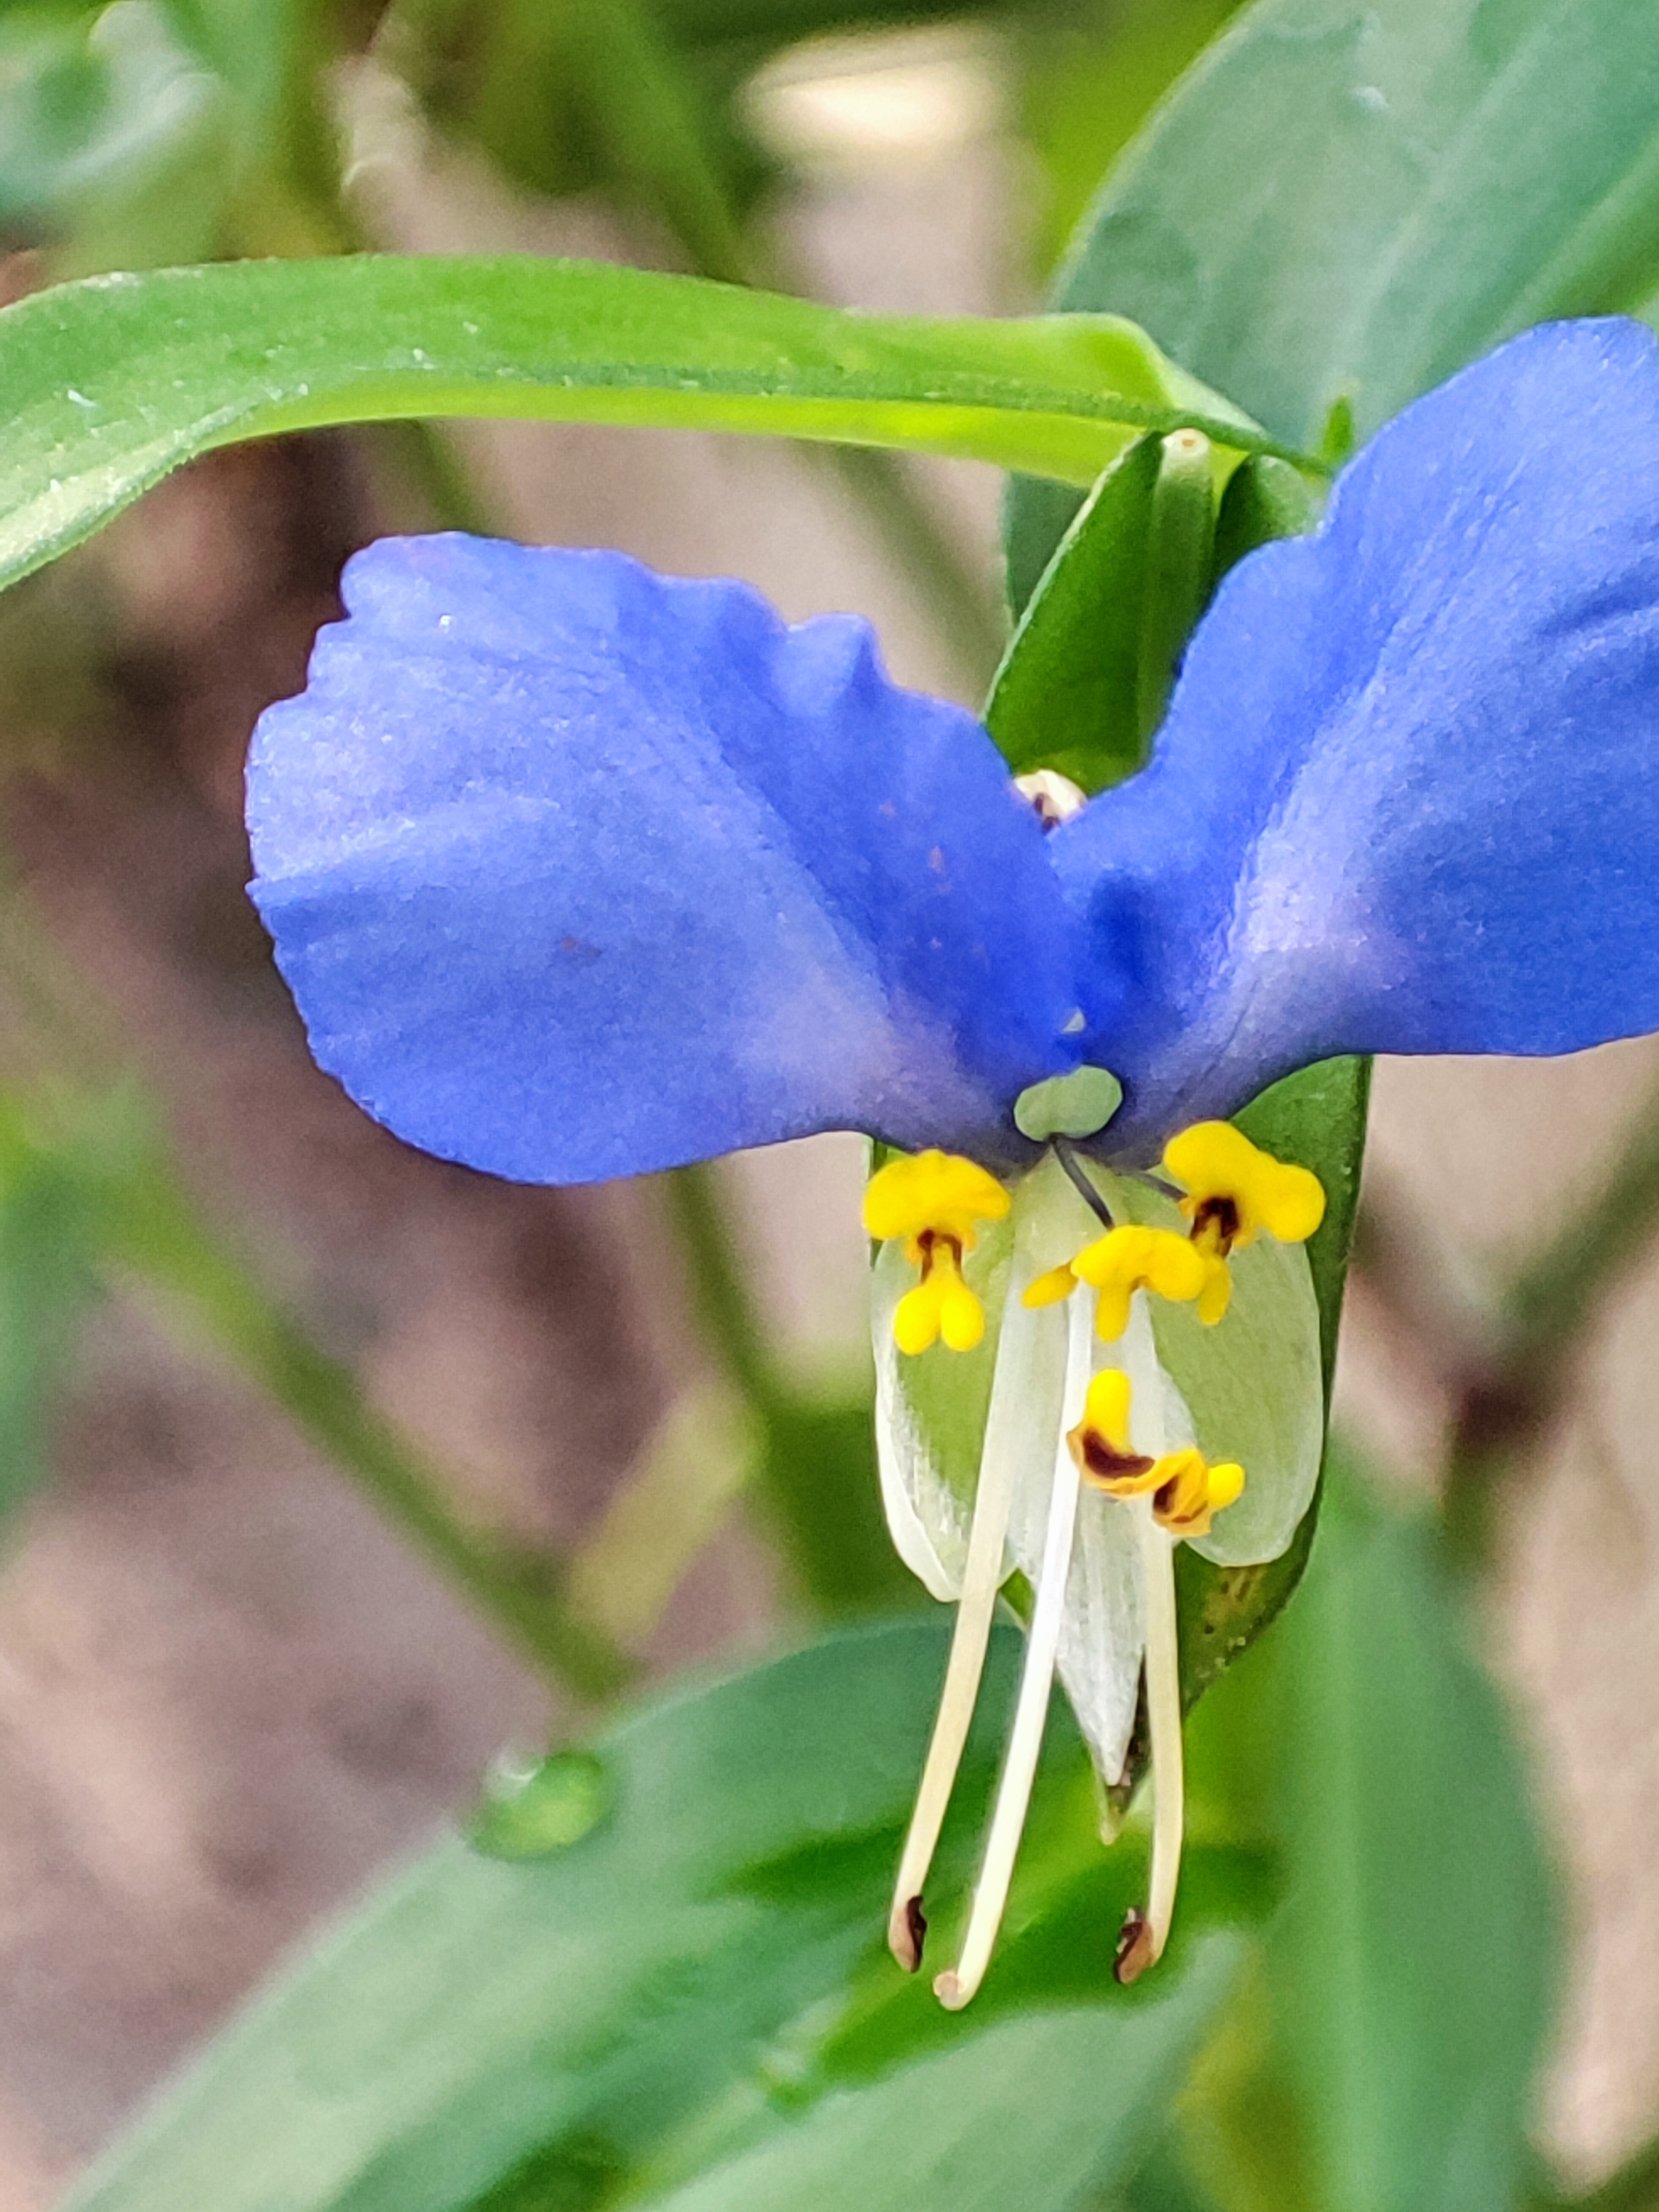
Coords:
pixel 1135 1947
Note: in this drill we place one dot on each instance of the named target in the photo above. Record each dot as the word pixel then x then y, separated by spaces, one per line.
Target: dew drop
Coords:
pixel 529 1810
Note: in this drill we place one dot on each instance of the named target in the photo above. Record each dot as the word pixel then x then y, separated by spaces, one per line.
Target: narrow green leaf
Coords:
pixel 649 2016
pixel 107 385
pixel 1180 551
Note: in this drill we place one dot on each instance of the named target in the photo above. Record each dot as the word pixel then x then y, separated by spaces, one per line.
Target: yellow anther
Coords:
pixel 1187 1491
pixel 1234 1189
pixel 1190 1492
pixel 1132 1258
pixel 934 1202
pixel 1101 1445
pixel 941 1305
pixel 1048 1290
pixel 939 1191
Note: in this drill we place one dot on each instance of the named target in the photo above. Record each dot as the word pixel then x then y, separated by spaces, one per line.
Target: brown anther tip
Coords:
pixel 907 1933
pixel 1134 1948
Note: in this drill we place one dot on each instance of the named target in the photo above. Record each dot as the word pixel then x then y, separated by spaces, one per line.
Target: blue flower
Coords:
pixel 578 871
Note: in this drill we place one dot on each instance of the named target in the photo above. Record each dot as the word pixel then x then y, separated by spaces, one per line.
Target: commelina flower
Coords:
pixel 579 872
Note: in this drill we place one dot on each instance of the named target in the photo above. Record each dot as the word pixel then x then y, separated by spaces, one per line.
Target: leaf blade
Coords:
pixel 108 384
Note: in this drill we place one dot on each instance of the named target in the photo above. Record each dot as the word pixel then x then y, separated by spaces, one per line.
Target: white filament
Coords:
pixel 956 1988
pixel 1012 1411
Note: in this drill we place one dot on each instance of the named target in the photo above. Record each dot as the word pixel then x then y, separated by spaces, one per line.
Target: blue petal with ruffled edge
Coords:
pixel 576 870
pixel 1407 798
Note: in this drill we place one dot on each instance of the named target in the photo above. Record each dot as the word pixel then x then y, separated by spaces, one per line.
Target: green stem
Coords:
pixel 155 1235
pixel 1538 1330
pixel 814 1471
pixel 655 130
pixel 724 1312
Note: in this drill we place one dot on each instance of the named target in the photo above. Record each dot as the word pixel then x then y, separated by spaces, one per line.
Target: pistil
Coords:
pixel 970 1639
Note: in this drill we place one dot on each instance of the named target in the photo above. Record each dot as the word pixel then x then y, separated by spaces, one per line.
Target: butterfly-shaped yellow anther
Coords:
pixel 1187 1491
pixel 934 1201
pixel 1125 1259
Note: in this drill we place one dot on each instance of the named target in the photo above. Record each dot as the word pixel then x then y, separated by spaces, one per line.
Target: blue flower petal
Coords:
pixel 576 870
pixel 1408 796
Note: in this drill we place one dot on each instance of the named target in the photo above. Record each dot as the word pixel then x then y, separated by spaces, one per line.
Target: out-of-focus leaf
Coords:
pixel 1414 1969
pixel 1384 2056
pixel 107 385
pixel 1088 74
pixel 675 2010
pixel 819 1474
pixel 1346 203
pixel 111 126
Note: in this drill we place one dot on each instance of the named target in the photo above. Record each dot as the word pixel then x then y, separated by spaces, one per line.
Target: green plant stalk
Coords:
pixel 1539 1328
pixel 155 1236
pixel 811 1471
pixel 655 132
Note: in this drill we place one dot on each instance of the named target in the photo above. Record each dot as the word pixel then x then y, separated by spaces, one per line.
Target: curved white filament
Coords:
pixel 956 1988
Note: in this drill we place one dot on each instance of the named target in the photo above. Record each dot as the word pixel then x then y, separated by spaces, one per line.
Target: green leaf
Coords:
pixel 1380 2055
pixel 1414 1973
pixel 691 2005
pixel 1265 499
pixel 1344 205
pixel 107 385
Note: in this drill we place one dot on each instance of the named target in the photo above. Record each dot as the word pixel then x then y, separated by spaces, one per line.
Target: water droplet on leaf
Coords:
pixel 528 1811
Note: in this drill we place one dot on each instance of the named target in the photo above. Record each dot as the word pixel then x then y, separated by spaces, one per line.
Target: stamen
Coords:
pixel 1142 1946
pixel 970 1639
pixel 956 1988
pixel 934 1202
